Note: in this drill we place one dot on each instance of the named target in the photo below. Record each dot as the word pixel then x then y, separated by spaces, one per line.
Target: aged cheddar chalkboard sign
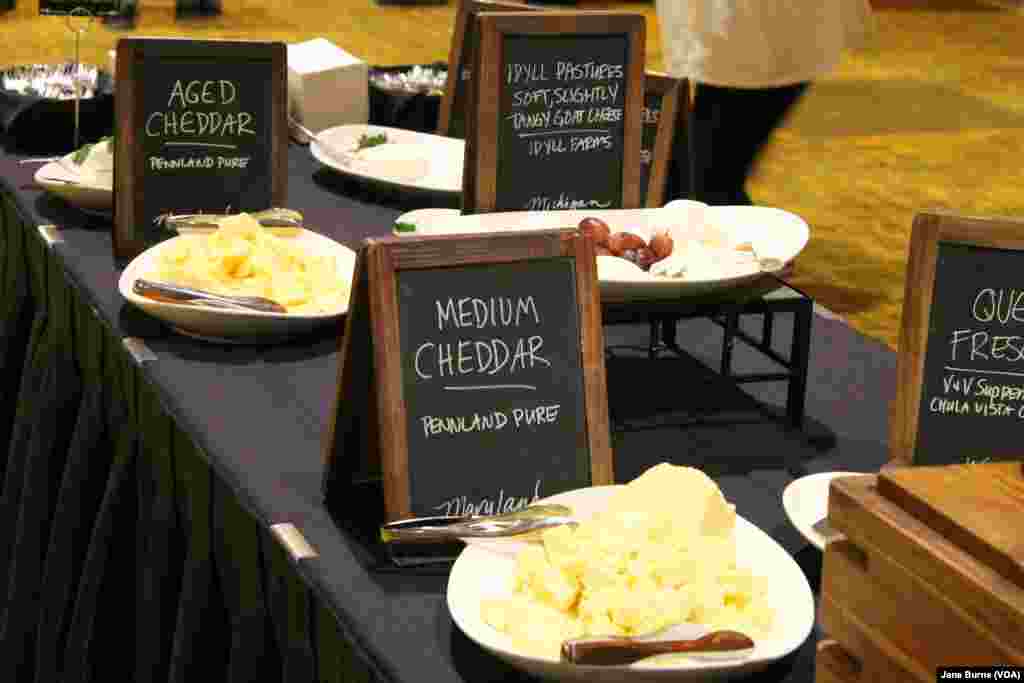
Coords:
pixel 465 42
pixel 557 100
pixel 960 390
pixel 200 127
pixel 664 124
pixel 483 358
pixel 96 8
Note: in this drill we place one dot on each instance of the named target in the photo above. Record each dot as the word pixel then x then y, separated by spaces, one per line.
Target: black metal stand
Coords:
pixel 773 297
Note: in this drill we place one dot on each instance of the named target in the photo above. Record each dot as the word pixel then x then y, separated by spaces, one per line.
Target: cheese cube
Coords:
pixel 327 86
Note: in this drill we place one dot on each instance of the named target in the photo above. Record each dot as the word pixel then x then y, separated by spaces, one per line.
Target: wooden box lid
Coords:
pixel 923 545
pixel 979 508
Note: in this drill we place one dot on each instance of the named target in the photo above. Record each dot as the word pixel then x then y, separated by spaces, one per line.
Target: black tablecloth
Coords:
pixel 226 441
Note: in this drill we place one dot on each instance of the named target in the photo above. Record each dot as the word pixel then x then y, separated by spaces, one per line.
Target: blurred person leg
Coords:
pixel 728 128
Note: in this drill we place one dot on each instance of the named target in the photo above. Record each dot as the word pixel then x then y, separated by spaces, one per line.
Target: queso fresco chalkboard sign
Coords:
pixel 557 100
pixel 200 128
pixel 960 393
pixel 487 372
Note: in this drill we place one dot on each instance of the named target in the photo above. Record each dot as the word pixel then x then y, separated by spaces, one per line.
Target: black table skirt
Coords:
pixel 137 496
pixel 125 558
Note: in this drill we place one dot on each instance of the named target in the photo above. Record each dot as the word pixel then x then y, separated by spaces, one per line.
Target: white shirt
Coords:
pixel 759 43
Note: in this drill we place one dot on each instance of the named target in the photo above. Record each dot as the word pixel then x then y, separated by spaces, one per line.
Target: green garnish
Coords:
pixel 82 152
pixel 366 141
pixel 405 227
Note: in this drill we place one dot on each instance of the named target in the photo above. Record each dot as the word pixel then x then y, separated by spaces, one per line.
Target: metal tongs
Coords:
pixel 164 291
pixel 530 519
pixel 285 221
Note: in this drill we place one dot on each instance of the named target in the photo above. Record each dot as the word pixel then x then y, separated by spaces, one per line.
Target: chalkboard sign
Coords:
pixel 664 116
pixel 483 358
pixel 200 127
pixel 89 7
pixel 465 42
pixel 96 8
pixel 960 389
pixel 557 103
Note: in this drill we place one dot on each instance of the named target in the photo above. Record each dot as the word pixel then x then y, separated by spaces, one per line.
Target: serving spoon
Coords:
pixel 163 291
pixel 678 638
pixel 767 264
pixel 343 156
pixel 38 160
pixel 305 131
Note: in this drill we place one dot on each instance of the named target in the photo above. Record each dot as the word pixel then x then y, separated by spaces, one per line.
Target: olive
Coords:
pixel 662 244
pixel 645 257
pixel 596 228
pixel 631 255
pixel 621 241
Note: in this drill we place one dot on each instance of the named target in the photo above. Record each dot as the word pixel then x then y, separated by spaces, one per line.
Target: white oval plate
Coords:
pixel 229 325
pixel 481 573
pixel 806 502
pixel 435 162
pixel 67 183
pixel 774 233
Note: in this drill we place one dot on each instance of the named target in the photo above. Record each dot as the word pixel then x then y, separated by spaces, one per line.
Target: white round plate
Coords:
pixel 806 502
pixel 62 179
pixel 229 325
pixel 435 162
pixel 481 573
pixel 774 233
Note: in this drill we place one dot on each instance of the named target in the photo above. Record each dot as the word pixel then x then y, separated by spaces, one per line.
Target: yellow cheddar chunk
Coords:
pixel 243 258
pixel 663 552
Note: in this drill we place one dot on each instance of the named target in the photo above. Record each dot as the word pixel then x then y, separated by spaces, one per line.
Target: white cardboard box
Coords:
pixel 326 86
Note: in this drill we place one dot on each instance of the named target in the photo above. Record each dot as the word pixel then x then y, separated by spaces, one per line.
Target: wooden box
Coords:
pixel 929 572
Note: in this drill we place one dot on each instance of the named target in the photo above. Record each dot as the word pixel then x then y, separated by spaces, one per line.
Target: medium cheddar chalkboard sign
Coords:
pixel 557 99
pixel 452 120
pixel 664 125
pixel 200 128
pixel 482 359
pixel 960 388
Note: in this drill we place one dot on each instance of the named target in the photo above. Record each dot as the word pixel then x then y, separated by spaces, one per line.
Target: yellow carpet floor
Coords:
pixel 931 116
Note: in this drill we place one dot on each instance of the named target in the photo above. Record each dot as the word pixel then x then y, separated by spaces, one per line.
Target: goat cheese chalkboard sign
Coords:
pixel 664 123
pixel 200 127
pixel 960 373
pixel 452 121
pixel 557 100
pixel 482 357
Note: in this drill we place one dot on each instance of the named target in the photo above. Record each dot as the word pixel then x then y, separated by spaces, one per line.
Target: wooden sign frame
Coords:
pixel 675 105
pixel 463 34
pixel 480 169
pixel 928 230
pixel 370 371
pixel 129 160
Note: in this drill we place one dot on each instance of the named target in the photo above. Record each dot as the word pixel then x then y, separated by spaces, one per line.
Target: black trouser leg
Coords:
pixel 728 128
